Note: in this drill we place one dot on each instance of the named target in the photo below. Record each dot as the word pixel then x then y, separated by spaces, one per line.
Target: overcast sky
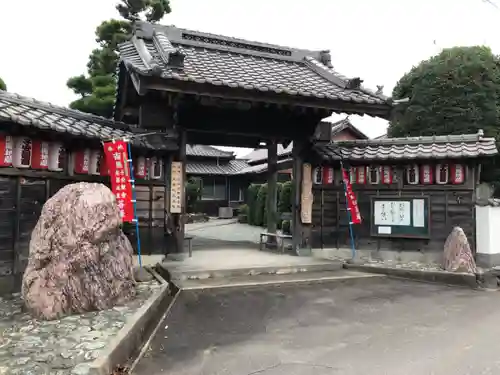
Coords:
pixel 43 43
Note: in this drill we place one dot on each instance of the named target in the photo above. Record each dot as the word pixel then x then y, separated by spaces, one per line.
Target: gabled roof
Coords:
pixel 260 154
pixel 209 168
pixel 208 152
pixel 434 147
pixel 30 112
pixel 182 55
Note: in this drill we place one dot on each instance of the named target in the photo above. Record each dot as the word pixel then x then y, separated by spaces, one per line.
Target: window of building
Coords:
pixel 213 187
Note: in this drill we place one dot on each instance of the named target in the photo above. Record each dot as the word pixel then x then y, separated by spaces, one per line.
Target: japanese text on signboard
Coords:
pixel 119 171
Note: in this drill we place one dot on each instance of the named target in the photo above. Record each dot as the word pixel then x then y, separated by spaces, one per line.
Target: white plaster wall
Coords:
pixel 488 230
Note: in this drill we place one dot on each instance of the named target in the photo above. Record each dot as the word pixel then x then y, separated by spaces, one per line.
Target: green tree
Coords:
pixel 3 86
pixel 193 193
pixel 454 92
pixel 97 88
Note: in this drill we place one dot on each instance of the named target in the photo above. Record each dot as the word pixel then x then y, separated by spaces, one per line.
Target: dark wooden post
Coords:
pixel 272 186
pixel 297 187
pixel 177 252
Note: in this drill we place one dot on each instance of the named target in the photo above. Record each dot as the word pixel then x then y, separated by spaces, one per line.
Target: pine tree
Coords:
pixel 97 88
pixel 3 86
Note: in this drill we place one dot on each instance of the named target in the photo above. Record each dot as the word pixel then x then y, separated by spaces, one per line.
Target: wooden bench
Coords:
pixel 276 236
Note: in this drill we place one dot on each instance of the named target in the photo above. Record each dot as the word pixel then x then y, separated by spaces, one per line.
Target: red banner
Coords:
pixel 352 202
pixel 119 172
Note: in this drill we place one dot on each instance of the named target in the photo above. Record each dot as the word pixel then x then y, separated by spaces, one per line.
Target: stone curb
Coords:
pixel 251 271
pixel 135 332
pixel 449 278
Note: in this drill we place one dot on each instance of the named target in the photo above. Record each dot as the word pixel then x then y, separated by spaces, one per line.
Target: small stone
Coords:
pixel 22 361
pixel 46 357
pixel 81 369
pixel 90 356
pixel 457 253
pixel 142 275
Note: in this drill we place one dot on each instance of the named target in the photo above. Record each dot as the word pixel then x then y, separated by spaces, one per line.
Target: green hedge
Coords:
pixel 253 190
pixel 285 197
pixel 257 202
pixel 260 206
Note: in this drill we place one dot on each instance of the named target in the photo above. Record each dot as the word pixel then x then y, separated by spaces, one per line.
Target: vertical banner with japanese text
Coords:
pixel 352 203
pixel 119 171
pixel 176 187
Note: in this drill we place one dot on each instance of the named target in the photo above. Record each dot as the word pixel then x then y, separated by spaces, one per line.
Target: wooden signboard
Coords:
pixel 403 217
pixel 306 196
pixel 176 188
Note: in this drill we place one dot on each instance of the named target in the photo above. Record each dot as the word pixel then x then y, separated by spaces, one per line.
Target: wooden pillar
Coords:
pixel 272 186
pixel 297 187
pixel 177 252
pixel 167 219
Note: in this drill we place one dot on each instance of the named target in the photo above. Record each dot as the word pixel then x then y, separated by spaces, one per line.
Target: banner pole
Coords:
pixel 349 214
pixel 134 202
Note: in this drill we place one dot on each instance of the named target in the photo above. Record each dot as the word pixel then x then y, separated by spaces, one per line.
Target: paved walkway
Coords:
pixel 385 327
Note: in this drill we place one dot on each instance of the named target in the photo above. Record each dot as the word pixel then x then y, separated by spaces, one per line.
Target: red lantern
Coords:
pixel 40 155
pixel 361 175
pixel 412 175
pixel 426 175
pixel 386 172
pixel 57 157
pixel 22 152
pixel 82 161
pixel 6 150
pixel 140 167
pixel 155 168
pixel 442 174
pixel 327 177
pixel 457 174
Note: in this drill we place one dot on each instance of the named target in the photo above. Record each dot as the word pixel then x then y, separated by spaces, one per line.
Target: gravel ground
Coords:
pixel 59 347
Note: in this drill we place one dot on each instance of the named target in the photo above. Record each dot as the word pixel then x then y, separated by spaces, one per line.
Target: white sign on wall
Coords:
pixel 390 213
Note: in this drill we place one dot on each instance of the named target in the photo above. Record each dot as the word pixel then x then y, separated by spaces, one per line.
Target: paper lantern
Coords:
pixel 22 152
pixel 6 150
pixel 374 175
pixel 442 174
pixel 412 174
pixel 140 167
pixel 386 174
pixel 361 175
pixel 57 157
pixel 40 154
pixel 82 161
pixel 426 174
pixel 155 168
pixel 317 175
pixel 98 165
pixel 327 175
pixel 457 174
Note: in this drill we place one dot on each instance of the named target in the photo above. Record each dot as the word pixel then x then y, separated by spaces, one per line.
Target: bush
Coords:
pixel 285 197
pixel 260 206
pixel 286 227
pixel 193 193
pixel 252 192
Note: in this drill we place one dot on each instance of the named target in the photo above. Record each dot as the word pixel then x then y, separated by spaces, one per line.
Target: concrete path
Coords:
pixel 384 327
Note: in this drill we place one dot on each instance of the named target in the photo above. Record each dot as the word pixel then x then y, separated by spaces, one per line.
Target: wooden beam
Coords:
pixel 272 188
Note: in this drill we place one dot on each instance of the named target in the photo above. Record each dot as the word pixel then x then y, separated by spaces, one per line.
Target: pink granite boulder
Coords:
pixel 457 253
pixel 79 259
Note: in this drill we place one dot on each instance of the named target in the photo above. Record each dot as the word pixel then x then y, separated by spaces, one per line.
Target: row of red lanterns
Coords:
pixel 23 152
pixel 415 174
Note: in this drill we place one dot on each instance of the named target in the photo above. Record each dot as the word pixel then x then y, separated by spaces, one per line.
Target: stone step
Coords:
pixel 337 276
pixel 202 274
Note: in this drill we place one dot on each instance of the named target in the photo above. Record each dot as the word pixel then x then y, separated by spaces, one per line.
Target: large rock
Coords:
pixel 79 260
pixel 457 253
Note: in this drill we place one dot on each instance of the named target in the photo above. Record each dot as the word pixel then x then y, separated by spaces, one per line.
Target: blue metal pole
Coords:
pixel 349 214
pixel 134 201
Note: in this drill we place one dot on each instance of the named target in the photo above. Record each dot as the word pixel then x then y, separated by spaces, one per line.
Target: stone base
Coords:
pixel 176 257
pixel 487 260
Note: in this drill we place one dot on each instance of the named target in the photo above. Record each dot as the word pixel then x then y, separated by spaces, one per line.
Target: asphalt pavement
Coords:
pixel 384 327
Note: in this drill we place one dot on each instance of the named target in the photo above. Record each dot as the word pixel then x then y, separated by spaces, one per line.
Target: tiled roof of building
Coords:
pixel 210 168
pixel 191 56
pixel 260 168
pixel 208 152
pixel 434 147
pixel 30 112
pixel 260 154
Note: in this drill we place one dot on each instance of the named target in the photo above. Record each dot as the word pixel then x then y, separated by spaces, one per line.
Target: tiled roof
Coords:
pixel 260 168
pixel 30 112
pixel 436 147
pixel 203 168
pixel 260 154
pixel 207 151
pixel 191 56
